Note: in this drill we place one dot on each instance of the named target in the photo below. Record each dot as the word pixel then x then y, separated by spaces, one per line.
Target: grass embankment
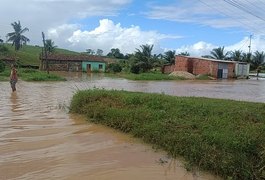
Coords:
pixel 224 137
pixel 29 55
pixel 31 75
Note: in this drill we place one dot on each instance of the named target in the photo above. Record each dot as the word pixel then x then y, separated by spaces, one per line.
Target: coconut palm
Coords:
pixel 50 45
pixel 236 55
pixel 246 57
pixel 144 57
pixel 219 53
pixel 184 53
pixel 170 56
pixel 17 38
pixel 258 59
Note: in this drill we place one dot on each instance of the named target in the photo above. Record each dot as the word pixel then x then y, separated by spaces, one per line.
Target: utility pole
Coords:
pixel 249 47
pixel 45 52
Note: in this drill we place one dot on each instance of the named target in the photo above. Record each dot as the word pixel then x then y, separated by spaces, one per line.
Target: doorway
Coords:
pixel 88 68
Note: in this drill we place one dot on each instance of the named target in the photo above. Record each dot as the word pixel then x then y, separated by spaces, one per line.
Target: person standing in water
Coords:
pixel 13 78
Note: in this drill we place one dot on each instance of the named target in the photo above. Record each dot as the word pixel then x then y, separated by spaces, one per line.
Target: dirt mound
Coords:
pixel 182 74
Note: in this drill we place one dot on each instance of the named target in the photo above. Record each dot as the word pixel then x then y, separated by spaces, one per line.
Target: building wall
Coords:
pixel 94 66
pixel 201 66
pixel 242 70
pixel 56 66
pixel 62 65
pixel 181 63
pixel 168 68
pixel 204 67
pixel 231 70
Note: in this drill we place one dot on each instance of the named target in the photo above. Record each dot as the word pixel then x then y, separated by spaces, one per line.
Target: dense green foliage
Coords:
pixel 115 67
pixel 3 50
pixel 223 136
pixel 4 76
pixel 2 66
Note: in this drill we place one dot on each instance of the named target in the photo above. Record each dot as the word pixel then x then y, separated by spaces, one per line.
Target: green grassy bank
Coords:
pixel 29 54
pixel 31 75
pixel 224 137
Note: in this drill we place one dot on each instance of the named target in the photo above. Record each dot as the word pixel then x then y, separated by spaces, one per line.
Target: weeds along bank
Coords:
pixel 31 75
pixel 223 136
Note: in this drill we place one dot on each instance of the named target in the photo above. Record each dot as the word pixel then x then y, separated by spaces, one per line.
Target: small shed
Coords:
pixel 62 62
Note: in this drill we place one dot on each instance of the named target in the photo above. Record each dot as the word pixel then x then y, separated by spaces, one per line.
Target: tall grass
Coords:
pixel 222 136
pixel 31 75
pixel 36 75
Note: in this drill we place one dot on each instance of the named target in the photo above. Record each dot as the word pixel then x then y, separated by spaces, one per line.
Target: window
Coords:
pixel 100 66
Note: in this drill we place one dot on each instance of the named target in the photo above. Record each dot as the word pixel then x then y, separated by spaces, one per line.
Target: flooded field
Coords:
pixel 40 140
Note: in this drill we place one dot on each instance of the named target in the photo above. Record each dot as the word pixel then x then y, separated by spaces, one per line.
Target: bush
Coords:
pixel 2 66
pixel 3 49
pixel 115 67
pixel 135 69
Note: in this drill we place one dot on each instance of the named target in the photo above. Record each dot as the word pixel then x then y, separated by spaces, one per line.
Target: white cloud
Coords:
pixel 203 48
pixel 248 15
pixel 257 44
pixel 40 15
pixel 106 36
pixel 197 49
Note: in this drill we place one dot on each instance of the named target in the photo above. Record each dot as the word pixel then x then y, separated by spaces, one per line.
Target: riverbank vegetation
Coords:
pixel 154 75
pixel 224 137
pixel 31 75
pixel 148 76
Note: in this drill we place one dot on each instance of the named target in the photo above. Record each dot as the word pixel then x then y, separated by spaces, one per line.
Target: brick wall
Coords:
pixel 168 68
pixel 201 66
pixel 231 70
pixel 181 63
pixel 204 67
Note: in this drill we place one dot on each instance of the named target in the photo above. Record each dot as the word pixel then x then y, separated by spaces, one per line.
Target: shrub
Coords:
pixel 3 49
pixel 116 68
pixel 2 66
pixel 135 69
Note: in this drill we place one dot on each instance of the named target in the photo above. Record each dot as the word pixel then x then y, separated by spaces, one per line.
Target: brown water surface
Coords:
pixel 40 140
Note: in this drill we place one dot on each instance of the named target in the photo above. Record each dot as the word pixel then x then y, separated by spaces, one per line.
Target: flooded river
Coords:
pixel 40 140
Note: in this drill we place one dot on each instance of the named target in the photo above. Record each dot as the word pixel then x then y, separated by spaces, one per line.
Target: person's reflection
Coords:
pixel 14 102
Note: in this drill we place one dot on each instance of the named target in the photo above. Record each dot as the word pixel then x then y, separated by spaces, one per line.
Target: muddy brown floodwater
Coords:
pixel 40 140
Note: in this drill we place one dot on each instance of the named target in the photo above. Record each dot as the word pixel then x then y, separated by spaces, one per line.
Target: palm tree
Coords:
pixel 170 56
pixel 144 57
pixel 184 53
pixel 16 37
pixel 258 59
pixel 218 53
pixel 237 55
pixel 50 45
pixel 246 57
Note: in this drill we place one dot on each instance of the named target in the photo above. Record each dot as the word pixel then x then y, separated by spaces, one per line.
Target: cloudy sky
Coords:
pixel 196 26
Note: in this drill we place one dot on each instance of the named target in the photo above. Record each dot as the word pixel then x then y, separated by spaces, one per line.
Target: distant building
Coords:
pixel 220 69
pixel 62 62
